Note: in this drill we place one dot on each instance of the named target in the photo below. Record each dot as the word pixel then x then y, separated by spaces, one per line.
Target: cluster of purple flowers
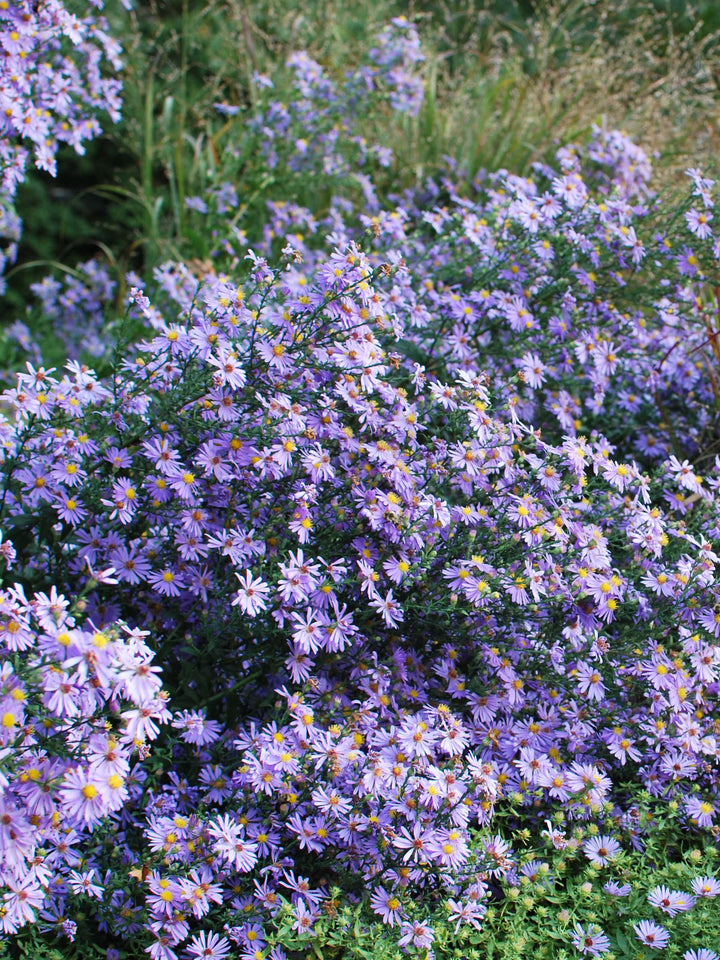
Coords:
pixel 79 707
pixel 53 84
pixel 440 597
pixel 318 131
pixel 74 307
pixel 423 522
pixel 395 61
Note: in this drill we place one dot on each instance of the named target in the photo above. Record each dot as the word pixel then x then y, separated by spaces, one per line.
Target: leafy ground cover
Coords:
pixel 360 506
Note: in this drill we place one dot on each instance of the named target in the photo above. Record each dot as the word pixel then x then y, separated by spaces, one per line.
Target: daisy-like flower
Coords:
pixel 617 889
pixel 420 934
pixel 139 675
pixel 123 500
pixel 450 848
pixel 651 934
pixel 536 871
pixel 414 844
pixel 197 729
pixel 702 811
pixel 23 897
pixel 308 632
pixel 466 912
pixel 701 954
pixel 705 887
pixel 498 852
pixel 387 905
pixel 698 222
pixel 83 798
pixel 301 886
pixel 601 849
pixel 230 843
pixel 533 370
pixel 85 883
pixel 390 609
pixel 183 482
pixel 229 370
pixel 166 582
pixel 304 918
pixel 417 739
pixel 208 946
pixel 70 509
pixel 590 940
pixel 670 902
pixel 252 595
pixel 15 634
pixel 590 682
pixel 623 748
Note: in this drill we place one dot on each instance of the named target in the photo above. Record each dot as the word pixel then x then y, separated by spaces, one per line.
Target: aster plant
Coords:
pixel 414 509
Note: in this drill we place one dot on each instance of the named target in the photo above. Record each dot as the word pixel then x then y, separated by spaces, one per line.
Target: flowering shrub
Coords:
pixel 419 510
pixel 454 597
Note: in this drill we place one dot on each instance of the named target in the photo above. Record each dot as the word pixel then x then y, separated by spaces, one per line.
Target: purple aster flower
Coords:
pixel 208 946
pixel 651 934
pixel 617 889
pixel 687 263
pixel 252 595
pixel 420 934
pixel 387 905
pixel 83 797
pixel 670 902
pixel 590 940
pixel 304 918
pixel 196 727
pixel 601 849
pixel 705 887
pixel 70 509
pixel 701 811
pixel 470 912
pixel 536 871
pixel 166 582
pixel 698 222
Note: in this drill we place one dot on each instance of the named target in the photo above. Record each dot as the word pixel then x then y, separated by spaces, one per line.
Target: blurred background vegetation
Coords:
pixel 507 81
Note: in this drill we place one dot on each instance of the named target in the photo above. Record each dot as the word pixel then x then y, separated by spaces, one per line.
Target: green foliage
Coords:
pixel 538 915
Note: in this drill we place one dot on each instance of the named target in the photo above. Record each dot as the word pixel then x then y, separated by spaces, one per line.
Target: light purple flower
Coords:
pixel 601 849
pixel 420 934
pixel 590 940
pixel 651 934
